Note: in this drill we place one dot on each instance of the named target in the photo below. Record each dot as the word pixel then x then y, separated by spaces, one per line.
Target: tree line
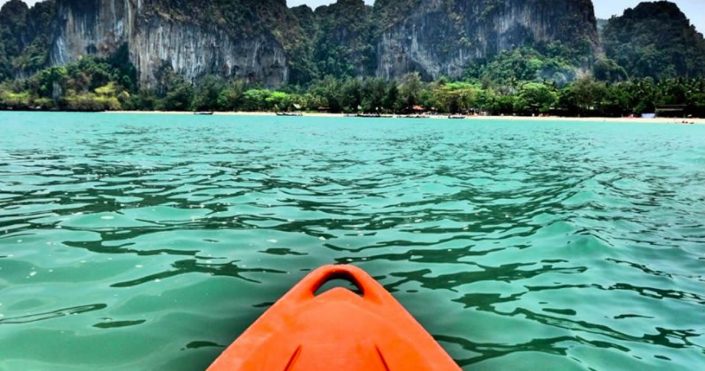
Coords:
pixel 93 84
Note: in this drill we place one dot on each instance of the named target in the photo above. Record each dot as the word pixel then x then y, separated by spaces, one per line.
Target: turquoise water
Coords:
pixel 151 242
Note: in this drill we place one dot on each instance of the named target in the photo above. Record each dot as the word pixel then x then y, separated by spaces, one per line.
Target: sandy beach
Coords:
pixel 628 120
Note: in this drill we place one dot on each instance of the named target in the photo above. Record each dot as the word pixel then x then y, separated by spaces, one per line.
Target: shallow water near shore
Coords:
pixel 152 241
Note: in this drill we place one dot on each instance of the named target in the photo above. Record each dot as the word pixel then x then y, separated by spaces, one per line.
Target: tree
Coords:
pixel 351 95
pixel 257 100
pixel 583 97
pixel 230 98
pixel 279 101
pixel 177 95
pixel 207 93
pixel 455 97
pixel 606 69
pixel 410 91
pixel 616 101
pixel 50 83
pixel 392 100
pixel 535 98
pixel 374 91
pixel 329 90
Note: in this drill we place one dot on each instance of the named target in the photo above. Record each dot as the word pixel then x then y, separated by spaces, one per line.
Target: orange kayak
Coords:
pixel 337 330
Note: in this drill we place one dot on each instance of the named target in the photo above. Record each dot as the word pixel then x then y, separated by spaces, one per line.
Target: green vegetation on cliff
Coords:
pixel 655 40
pixel 510 68
pixel 343 40
pixel 25 36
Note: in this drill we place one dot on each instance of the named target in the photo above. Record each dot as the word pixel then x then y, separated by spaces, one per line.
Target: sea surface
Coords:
pixel 150 242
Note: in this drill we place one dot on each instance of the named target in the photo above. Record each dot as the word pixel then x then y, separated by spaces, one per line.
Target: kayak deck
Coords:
pixel 336 330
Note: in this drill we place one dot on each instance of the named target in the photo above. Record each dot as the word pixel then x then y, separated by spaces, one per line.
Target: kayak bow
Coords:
pixel 337 330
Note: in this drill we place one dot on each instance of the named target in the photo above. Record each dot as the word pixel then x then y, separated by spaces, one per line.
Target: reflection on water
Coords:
pixel 153 241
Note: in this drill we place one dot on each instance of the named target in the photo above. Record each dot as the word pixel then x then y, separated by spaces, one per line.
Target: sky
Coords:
pixel 694 9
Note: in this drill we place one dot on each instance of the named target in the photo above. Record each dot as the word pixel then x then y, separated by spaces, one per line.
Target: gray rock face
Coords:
pixel 100 27
pixel 441 37
pixel 433 37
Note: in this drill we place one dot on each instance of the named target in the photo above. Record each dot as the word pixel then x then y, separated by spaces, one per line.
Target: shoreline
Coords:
pixel 622 120
pixel 637 120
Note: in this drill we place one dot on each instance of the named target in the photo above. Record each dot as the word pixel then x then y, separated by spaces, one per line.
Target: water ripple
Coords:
pixel 558 245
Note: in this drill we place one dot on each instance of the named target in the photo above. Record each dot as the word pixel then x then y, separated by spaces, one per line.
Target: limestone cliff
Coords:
pixel 655 40
pixel 263 41
pixel 344 42
pixel 157 34
pixel 441 37
pixel 25 35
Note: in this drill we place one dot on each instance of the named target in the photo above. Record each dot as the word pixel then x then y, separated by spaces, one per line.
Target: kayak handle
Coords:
pixel 369 288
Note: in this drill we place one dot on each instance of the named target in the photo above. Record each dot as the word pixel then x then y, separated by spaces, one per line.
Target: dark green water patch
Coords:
pixel 118 324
